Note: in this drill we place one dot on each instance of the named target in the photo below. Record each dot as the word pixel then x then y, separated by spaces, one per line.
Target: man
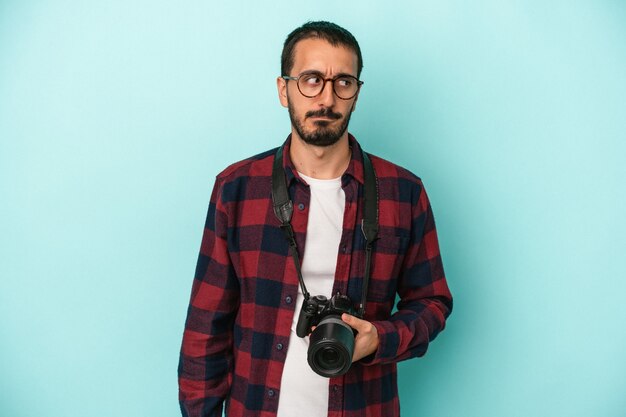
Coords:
pixel 240 344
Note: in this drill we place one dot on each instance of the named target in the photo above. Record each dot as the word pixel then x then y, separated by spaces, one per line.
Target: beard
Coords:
pixel 323 135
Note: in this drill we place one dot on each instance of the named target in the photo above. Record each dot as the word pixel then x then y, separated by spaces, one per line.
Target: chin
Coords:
pixel 322 140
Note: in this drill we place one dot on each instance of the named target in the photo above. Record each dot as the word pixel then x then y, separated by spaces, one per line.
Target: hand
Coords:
pixel 366 340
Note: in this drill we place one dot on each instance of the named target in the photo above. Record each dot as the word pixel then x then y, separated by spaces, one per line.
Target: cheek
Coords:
pixel 293 102
pixel 351 105
pixel 299 109
pixel 346 108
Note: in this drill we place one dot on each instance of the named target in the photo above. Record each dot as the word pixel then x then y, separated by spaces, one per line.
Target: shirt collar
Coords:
pixel 354 170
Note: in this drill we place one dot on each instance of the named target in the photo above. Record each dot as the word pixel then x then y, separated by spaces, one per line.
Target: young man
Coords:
pixel 240 344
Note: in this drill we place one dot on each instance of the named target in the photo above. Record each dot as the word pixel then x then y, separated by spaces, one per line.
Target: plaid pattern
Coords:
pixel 243 296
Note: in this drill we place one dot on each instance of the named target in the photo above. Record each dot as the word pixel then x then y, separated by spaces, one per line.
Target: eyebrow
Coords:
pixel 341 74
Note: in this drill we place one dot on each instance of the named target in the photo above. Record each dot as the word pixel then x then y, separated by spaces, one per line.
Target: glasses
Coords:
pixel 311 84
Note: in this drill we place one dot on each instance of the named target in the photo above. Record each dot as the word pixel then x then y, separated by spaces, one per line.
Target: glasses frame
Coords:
pixel 359 83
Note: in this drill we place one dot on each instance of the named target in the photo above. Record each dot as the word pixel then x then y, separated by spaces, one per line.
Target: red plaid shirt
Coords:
pixel 243 297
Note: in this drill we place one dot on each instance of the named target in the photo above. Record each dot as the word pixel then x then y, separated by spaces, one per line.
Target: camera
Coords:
pixel 331 344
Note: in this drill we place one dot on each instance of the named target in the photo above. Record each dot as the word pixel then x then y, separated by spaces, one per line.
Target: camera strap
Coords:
pixel 283 209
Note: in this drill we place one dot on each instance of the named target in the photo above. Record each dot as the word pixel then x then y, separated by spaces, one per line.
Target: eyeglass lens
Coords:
pixel 310 85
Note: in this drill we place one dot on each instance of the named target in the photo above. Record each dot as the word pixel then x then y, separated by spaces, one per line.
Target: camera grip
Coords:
pixel 303 327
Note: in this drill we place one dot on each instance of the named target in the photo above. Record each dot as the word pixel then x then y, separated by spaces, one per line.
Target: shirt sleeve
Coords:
pixel 206 357
pixel 425 300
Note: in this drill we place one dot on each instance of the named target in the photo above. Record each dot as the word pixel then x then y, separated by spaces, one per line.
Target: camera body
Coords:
pixel 331 344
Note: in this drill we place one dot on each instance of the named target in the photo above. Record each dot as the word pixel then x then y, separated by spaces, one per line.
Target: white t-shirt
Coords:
pixel 301 389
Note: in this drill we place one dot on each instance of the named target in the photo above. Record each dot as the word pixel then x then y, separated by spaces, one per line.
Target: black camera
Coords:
pixel 331 344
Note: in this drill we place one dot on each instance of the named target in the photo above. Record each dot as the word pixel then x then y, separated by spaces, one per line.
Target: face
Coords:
pixel 323 119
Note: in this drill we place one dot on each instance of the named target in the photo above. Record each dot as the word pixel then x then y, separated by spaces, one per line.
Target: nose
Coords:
pixel 327 96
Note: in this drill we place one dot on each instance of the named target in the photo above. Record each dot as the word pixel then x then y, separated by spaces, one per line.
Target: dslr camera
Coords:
pixel 331 344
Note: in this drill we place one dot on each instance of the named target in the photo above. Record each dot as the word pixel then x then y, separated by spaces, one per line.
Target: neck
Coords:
pixel 321 162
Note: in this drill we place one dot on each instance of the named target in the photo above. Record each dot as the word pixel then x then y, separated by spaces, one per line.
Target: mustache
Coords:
pixel 326 112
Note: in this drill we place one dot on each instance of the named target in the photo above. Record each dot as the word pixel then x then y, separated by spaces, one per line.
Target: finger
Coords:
pixel 354 322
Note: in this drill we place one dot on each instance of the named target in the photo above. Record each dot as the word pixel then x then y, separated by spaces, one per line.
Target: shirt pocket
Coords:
pixel 388 255
pixel 391 244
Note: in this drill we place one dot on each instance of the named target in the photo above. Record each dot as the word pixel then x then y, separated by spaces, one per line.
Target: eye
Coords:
pixel 344 82
pixel 311 79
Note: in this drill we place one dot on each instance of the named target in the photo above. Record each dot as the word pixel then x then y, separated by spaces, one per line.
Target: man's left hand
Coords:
pixel 366 340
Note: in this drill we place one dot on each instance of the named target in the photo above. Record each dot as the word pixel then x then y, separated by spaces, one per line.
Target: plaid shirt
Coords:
pixel 243 296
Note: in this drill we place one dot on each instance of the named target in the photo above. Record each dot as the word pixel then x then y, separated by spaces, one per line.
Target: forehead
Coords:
pixel 319 55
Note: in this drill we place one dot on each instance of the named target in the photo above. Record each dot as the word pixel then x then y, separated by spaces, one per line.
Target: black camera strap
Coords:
pixel 283 209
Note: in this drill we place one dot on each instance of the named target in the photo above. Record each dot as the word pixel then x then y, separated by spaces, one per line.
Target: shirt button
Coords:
pixel 343 248
pixel 335 388
pixel 301 206
pixel 279 346
pixel 271 392
pixel 288 299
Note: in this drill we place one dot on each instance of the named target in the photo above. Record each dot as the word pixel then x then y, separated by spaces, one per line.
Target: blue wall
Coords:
pixel 115 116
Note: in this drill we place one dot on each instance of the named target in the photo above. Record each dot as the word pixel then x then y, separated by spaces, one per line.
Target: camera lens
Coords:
pixel 331 346
pixel 329 357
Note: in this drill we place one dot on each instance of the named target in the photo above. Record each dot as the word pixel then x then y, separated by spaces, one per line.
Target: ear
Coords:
pixel 281 85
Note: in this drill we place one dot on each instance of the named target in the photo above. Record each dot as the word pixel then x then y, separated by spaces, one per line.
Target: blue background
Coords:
pixel 115 117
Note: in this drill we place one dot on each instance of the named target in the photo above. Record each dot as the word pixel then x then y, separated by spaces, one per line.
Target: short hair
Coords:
pixel 330 32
